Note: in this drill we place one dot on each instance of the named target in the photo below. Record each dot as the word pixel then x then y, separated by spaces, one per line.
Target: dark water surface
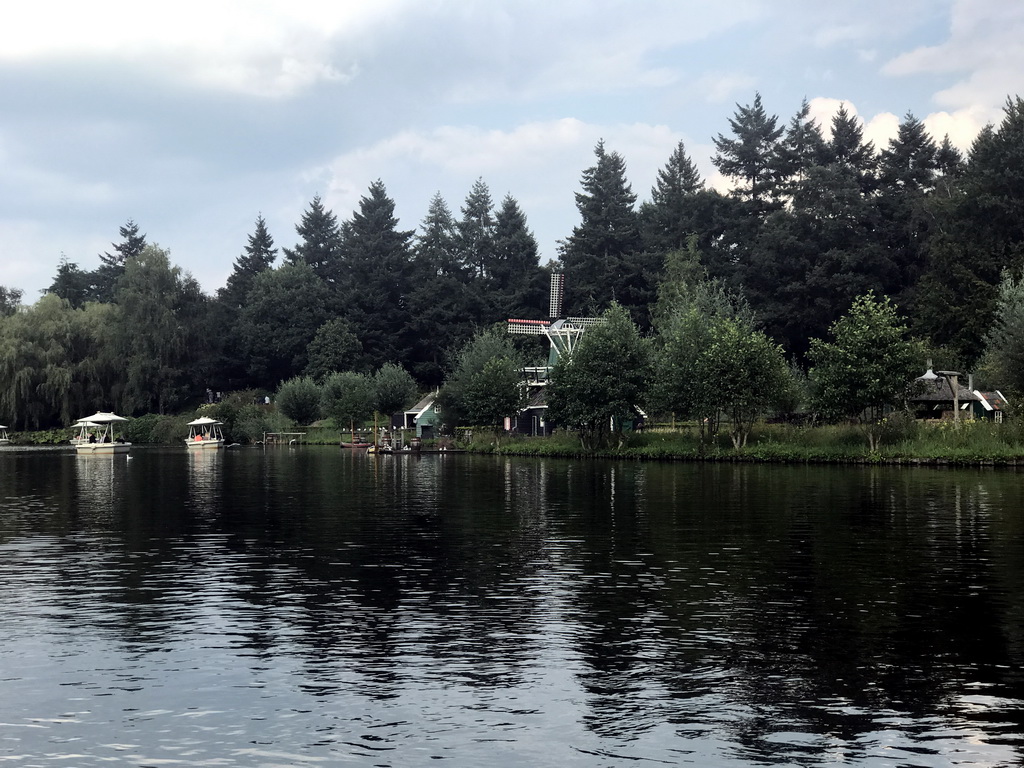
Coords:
pixel 306 606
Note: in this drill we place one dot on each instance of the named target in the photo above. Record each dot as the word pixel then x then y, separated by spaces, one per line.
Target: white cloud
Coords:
pixel 985 45
pixel 721 88
pixel 961 126
pixel 539 163
pixel 263 48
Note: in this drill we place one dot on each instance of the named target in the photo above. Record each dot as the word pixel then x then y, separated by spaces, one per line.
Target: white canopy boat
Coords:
pixel 96 434
pixel 83 429
pixel 4 438
pixel 205 433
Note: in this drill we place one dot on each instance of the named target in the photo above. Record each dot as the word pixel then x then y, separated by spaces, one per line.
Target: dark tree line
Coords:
pixel 816 216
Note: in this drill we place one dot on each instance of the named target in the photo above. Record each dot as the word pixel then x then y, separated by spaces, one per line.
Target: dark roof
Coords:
pixel 937 389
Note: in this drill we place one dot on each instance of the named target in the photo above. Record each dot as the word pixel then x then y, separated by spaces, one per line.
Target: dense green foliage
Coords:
pixel 597 390
pixel 867 367
pixel 816 218
pixel 300 400
pixel 485 385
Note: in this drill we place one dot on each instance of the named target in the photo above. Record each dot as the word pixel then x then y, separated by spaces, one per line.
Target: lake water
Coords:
pixel 306 606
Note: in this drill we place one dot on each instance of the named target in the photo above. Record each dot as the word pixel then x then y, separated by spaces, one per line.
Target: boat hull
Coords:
pixel 100 449
pixel 204 445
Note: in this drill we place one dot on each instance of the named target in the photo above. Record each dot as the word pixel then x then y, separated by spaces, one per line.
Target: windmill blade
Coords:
pixel 528 327
pixel 584 322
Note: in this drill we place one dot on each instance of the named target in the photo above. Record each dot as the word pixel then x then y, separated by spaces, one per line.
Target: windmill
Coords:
pixel 563 333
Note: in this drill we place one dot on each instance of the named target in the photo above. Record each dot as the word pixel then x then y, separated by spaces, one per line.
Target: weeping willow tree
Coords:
pixel 54 362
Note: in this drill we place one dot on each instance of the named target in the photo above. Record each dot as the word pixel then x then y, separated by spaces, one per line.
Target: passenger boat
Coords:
pixel 4 438
pixel 97 435
pixel 205 433
pixel 83 430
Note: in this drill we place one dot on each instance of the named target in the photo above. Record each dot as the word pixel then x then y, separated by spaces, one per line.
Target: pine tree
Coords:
pixel 517 282
pixel 379 280
pixel 440 305
pixel 801 148
pixel 750 158
pixel 476 231
pixel 668 219
pixel 71 283
pixel 601 258
pixel 112 265
pixel 321 242
pixel 847 149
pixel 908 163
pixel 258 256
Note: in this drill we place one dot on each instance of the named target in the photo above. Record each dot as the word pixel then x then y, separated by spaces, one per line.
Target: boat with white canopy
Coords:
pixel 4 438
pixel 83 429
pixel 204 433
pixel 100 434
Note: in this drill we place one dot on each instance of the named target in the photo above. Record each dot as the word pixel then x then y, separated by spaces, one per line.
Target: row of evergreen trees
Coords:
pixel 814 219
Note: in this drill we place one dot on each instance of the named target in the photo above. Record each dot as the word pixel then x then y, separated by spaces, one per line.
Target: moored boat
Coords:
pixel 4 438
pixel 205 433
pixel 97 434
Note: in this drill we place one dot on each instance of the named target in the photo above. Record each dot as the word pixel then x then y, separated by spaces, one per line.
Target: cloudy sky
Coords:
pixel 192 118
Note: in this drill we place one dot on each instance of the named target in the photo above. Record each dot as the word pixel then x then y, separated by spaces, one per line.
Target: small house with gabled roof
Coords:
pixel 424 417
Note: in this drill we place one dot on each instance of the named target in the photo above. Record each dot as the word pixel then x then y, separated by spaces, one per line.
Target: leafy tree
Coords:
pixel 299 399
pixel 157 335
pixel 320 247
pixel 348 397
pixel 10 300
pixel 602 258
pixel 333 348
pixel 485 385
pixel 44 353
pixel 380 280
pixel 597 388
pixel 746 372
pixel 866 368
pixel 1004 342
pixel 286 307
pixel 394 389
pixel 691 313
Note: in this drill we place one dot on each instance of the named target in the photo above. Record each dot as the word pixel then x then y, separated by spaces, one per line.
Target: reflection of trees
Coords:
pixel 728 602
pixel 762 592
pixel 423 558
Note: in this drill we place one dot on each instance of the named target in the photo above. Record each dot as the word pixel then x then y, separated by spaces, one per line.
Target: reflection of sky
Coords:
pixel 487 632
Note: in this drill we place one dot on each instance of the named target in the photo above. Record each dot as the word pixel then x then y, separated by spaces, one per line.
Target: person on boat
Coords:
pixel 106 438
pixel 92 437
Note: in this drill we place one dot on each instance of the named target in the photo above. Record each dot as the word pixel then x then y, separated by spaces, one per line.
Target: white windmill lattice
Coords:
pixel 563 333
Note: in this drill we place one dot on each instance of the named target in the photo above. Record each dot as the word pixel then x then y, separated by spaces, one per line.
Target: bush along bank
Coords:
pixel 969 443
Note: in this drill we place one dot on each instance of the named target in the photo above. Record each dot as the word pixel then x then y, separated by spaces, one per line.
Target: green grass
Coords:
pixel 967 443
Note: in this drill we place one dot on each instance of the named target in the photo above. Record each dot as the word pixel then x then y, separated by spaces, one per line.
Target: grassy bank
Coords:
pixel 964 444
pixel 969 443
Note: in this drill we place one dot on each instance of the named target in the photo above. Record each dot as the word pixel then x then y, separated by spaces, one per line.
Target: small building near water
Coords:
pixel 932 398
pixel 424 417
